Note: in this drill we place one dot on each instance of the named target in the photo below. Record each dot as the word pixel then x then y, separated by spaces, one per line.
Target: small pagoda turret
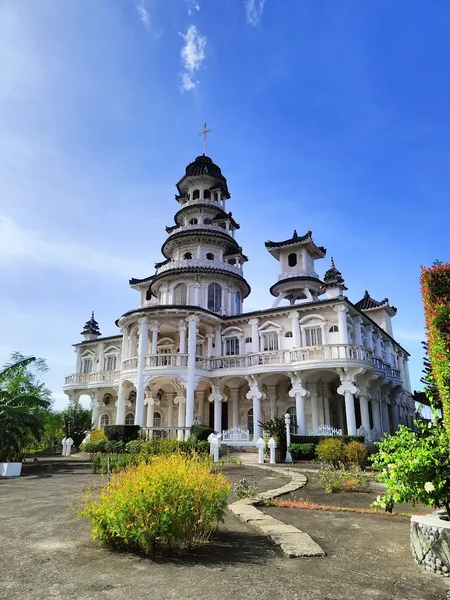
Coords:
pixel 91 330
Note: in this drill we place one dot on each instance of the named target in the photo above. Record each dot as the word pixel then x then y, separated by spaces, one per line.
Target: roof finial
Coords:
pixel 204 133
pixel 333 266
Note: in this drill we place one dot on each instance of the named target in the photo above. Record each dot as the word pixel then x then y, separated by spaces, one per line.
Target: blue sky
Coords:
pixel 329 116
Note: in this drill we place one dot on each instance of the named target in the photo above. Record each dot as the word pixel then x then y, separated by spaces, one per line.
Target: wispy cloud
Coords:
pixel 253 11
pixel 192 56
pixel 192 7
pixel 143 13
pixel 19 244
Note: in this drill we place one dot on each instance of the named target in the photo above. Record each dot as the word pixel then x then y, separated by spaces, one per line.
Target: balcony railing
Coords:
pixel 387 370
pixel 98 377
pixel 165 360
pixel 199 262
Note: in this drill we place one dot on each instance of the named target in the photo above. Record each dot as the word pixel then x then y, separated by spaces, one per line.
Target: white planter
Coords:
pixel 430 543
pixel 10 469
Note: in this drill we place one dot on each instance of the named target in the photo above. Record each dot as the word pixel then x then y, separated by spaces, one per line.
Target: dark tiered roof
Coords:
pixel 134 281
pixel 203 165
pixel 296 240
pixel 91 327
pixel 368 303
pixel 333 278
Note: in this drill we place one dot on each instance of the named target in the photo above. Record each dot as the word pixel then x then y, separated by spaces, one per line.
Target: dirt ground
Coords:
pixel 46 552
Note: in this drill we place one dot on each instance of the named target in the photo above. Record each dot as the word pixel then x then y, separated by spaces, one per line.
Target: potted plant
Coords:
pixel 20 419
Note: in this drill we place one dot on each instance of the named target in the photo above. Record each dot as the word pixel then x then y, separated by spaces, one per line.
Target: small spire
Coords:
pixel 204 134
pixel 366 294
pixel 333 266
pixel 295 234
pixel 91 329
pixel 333 278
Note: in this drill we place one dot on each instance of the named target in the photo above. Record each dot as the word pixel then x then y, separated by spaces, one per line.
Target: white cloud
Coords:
pixel 143 13
pixel 253 11
pixel 192 7
pixel 20 244
pixel 192 56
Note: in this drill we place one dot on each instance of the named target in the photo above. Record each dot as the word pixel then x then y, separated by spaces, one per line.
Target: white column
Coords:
pixel 101 357
pixel 216 397
pixel 255 334
pixel 299 393
pixel 125 343
pixel 408 380
pixel 190 389
pixel 357 330
pixel 78 364
pixel 295 328
pixel 377 349
pixel 388 349
pixel 95 406
pixel 369 337
pixel 341 311
pixel 182 333
pixel 217 342
pixel 120 415
pixel 181 401
pixel 169 397
pixel 154 348
pixel 142 352
pixel 314 405
pixel 255 395
pixel 234 392
pixel 272 396
pixel 385 415
pixel 197 294
pixel 348 389
pixel 364 409
pixel 209 345
pixel 201 407
pixel 326 403
pixel 375 403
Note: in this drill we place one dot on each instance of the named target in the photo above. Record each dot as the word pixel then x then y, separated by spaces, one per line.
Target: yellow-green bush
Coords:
pixel 170 504
pixel 355 454
pixel 331 451
pixel 97 434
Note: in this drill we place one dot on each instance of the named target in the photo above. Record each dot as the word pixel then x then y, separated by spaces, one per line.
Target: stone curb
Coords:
pixel 293 542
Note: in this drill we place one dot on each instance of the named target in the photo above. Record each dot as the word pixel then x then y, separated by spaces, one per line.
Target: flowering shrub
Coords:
pixel 355 454
pixel 415 466
pixel 343 479
pixel 435 285
pixel 246 489
pixel 331 451
pixel 170 504
pixel 97 434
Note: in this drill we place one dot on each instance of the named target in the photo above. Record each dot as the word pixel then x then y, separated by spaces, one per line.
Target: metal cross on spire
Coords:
pixel 204 133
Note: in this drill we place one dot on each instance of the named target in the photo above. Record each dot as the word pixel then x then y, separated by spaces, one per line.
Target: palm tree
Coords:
pixel 20 401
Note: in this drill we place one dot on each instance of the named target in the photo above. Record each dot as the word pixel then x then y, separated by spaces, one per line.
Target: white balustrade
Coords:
pixel 299 273
pixel 130 364
pixel 325 430
pixel 97 377
pixel 199 262
pixel 153 361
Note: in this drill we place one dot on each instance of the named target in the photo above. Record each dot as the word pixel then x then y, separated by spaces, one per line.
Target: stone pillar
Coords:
pixel 377 345
pixel 364 409
pixel 326 403
pixel 125 343
pixel 272 396
pixel 78 365
pixel 216 398
pixel 154 348
pixel 190 388
pixel 101 357
pixel 293 315
pixel 255 334
pixel 121 406
pixel 388 350
pixel 299 393
pixel 209 345
pixel 369 337
pixel 357 330
pixel 375 403
pixel 169 397
pixel 314 405
pixel 234 396
pixel 217 342
pixel 255 395
pixel 348 390
pixel 182 334
pixel 142 352
pixel 340 410
pixel 385 416
pixel 180 401
pixel 341 311
pixel 407 378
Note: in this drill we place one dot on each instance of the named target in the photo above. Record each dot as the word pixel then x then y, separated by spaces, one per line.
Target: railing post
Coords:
pixel 287 420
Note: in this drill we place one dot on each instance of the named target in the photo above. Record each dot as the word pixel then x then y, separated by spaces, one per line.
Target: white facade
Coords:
pixel 189 353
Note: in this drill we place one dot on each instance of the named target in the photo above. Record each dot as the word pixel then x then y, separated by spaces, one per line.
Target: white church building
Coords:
pixel 189 353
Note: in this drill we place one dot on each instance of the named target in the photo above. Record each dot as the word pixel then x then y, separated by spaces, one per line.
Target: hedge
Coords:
pixel 122 433
pixel 435 288
pixel 302 451
pixel 315 439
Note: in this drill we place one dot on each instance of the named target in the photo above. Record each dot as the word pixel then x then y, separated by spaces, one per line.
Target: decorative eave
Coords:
pixel 98 340
pixel 203 165
pixel 193 270
pixel 367 304
pixel 227 217
pixel 272 290
pixel 296 240
pixel 91 327
pixel 333 278
pixel 138 282
pixel 232 254
pixel 200 232
pixel 203 204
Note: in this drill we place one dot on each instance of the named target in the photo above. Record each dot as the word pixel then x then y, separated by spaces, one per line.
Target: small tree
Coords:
pixel 276 428
pixel 77 422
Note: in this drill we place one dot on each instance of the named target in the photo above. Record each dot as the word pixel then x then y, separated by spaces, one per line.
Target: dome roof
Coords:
pixel 203 165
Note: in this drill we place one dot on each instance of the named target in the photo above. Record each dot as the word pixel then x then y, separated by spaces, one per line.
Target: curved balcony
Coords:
pixel 100 377
pixel 298 273
pixel 202 263
pixel 387 370
pixel 210 227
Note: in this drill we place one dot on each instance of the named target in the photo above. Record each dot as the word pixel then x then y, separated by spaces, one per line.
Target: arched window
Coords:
pixel 104 420
pixel 207 221
pixel 232 346
pixel 206 194
pixel 334 329
pixel 157 419
pixel 129 419
pixel 292 259
pixel 196 194
pixel 209 256
pixel 288 334
pixel 110 362
pixel 193 221
pixel 180 294
pixel 187 256
pixel 237 303
pixel 250 421
pixel 292 411
pixel 214 297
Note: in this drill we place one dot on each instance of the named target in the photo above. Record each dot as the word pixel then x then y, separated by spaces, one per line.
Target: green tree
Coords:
pixel 22 398
pixel 77 422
